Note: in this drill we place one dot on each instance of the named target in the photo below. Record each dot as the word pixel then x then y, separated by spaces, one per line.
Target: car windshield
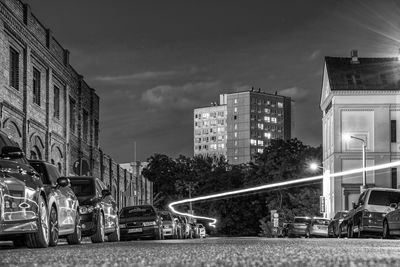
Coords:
pixel 302 220
pixel 137 212
pixel 82 187
pixel 321 222
pixel 166 217
pixel 383 198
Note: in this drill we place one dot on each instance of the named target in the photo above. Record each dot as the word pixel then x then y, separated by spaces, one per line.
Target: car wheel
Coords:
pixel 99 236
pixel 386 232
pixel 359 233
pixel 40 239
pixel 76 237
pixel 350 231
pixel 115 236
pixel 53 227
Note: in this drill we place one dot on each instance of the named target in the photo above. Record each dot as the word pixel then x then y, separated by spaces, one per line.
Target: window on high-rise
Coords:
pixel 235 126
pixel 260 142
pixel 56 102
pixel 393 131
pixel 280 105
pixel 253 142
pixel 260 150
pixel 267 110
pixel 267 119
pixel 267 135
pixel 36 86
pixel 14 68
pixel 273 120
pixel 235 101
pixel 235 109
pixel 235 134
pixel 260 126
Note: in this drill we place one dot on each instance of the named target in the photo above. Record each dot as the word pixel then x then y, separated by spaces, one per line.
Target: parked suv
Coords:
pixel 97 208
pixel 62 204
pixel 368 213
pixel 24 211
pixel 142 221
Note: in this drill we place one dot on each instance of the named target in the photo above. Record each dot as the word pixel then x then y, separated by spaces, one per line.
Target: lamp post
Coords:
pixel 364 146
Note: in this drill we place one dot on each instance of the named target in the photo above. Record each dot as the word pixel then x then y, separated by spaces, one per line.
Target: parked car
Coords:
pixel 318 227
pixel 142 221
pixel 370 210
pixel 333 227
pixel 391 222
pixel 180 226
pixel 169 224
pixel 62 203
pixel 201 230
pixel 187 228
pixel 97 208
pixel 298 227
pixel 24 212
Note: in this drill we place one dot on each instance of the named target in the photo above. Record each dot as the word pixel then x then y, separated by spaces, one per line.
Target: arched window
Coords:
pixel 35 153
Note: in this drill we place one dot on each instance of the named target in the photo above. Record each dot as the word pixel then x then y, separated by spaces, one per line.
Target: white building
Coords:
pixel 360 97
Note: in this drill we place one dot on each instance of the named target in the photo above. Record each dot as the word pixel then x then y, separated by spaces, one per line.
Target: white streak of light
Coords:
pixel 268 186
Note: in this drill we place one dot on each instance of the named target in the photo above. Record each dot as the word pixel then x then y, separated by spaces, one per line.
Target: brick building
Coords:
pixel 45 105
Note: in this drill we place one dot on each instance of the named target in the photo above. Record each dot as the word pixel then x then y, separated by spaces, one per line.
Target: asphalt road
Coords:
pixel 212 252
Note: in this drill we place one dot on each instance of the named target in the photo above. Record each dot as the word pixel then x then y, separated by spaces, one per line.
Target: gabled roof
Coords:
pixel 367 74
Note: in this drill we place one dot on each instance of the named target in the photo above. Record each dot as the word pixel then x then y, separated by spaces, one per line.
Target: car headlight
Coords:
pixel 122 225
pixel 29 193
pixel 86 209
pixel 149 223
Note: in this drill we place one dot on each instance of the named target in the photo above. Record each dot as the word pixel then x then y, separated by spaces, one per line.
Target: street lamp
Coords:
pixel 347 138
pixel 314 166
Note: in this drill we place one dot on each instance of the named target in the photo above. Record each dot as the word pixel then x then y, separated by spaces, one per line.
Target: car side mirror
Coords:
pixel 105 192
pixel 63 182
pixel 354 205
pixel 393 205
pixel 11 152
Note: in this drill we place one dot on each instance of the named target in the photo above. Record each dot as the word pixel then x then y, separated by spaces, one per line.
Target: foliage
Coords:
pixel 178 178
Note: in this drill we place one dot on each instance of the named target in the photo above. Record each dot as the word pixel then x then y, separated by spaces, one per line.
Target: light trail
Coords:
pixel 269 186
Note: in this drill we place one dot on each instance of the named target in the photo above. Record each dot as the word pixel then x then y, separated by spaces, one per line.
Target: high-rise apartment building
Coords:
pixel 210 130
pixel 253 118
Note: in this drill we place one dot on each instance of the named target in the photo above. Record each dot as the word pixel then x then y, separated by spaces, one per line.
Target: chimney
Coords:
pixel 354 57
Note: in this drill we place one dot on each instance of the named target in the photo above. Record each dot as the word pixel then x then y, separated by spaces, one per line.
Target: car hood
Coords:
pixel 88 200
pixel 13 174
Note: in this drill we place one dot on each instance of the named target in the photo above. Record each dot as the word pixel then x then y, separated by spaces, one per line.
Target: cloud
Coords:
pixel 295 93
pixel 314 55
pixel 178 97
pixel 137 76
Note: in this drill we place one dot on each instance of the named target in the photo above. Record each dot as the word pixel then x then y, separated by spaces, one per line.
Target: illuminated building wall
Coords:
pixel 360 97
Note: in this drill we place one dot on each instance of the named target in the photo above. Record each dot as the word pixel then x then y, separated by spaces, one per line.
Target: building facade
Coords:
pixel 210 130
pixel 360 97
pixel 140 189
pixel 45 105
pixel 253 118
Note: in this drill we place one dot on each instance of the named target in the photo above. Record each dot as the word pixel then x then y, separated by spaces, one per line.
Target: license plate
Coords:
pixel 135 230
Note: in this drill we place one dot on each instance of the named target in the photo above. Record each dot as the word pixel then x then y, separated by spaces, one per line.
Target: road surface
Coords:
pixel 212 252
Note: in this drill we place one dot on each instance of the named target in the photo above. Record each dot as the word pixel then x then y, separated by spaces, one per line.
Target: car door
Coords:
pixel 67 202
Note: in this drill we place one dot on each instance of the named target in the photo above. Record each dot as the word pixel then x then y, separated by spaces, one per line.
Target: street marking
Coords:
pixel 268 186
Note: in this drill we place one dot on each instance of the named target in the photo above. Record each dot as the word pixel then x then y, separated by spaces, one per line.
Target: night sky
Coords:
pixel 153 62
